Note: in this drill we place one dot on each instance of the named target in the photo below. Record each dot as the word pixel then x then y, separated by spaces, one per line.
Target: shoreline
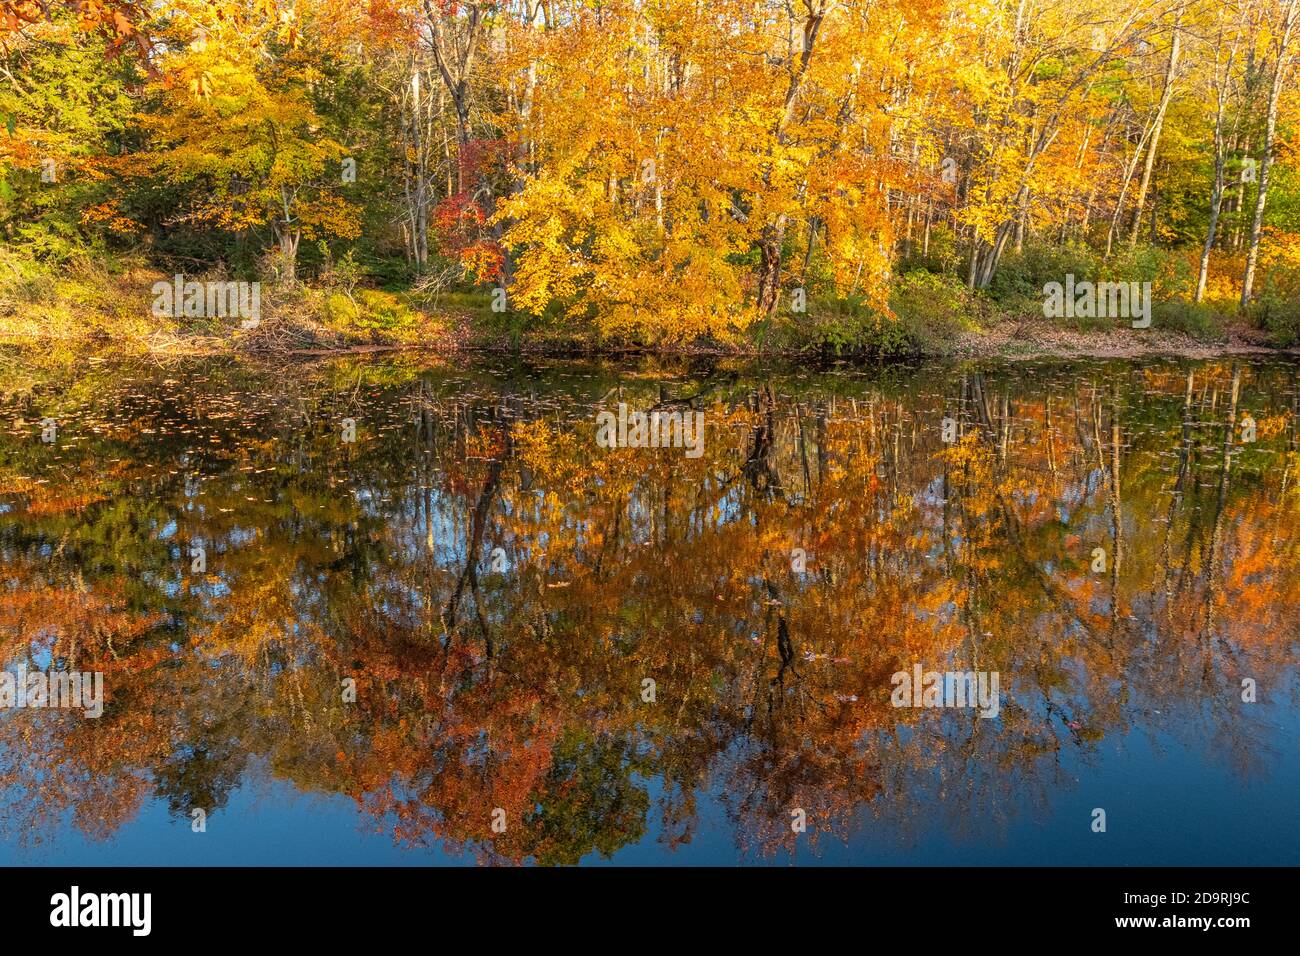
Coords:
pixel 931 317
pixel 1050 343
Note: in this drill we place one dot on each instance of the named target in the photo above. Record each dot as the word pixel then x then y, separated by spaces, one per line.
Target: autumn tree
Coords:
pixel 240 131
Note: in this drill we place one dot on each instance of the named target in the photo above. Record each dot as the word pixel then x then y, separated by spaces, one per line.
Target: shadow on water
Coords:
pixel 470 612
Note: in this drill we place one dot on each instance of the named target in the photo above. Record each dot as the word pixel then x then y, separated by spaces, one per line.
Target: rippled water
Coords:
pixel 474 634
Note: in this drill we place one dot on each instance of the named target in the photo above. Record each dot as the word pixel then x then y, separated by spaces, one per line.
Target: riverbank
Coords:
pixel 1011 339
pixel 87 309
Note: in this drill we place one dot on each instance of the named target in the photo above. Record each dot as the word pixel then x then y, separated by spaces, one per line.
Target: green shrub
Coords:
pixel 1169 274
pixel 929 312
pixel 850 325
pixel 1200 320
pixel 23 280
pixel 1280 318
pixel 1024 274
pixel 369 309
pixel 942 256
pixel 932 310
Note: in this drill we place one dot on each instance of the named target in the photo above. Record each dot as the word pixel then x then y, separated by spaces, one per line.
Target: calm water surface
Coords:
pixel 499 590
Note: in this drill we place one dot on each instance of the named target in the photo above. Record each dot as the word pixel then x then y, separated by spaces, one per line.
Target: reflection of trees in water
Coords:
pixel 521 689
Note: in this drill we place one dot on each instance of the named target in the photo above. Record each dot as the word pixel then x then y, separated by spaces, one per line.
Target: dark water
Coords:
pixel 498 589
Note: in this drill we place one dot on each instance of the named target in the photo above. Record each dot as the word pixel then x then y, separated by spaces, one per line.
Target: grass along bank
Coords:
pixel 106 304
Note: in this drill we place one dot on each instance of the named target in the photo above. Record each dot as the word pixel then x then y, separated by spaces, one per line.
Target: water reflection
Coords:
pixel 498 589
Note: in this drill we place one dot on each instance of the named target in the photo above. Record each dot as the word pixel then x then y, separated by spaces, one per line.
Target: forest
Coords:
pixel 885 175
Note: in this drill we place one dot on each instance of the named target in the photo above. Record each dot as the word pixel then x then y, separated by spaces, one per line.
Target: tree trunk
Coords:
pixel 287 237
pixel 1281 64
pixel 773 235
pixel 1166 94
pixel 769 266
